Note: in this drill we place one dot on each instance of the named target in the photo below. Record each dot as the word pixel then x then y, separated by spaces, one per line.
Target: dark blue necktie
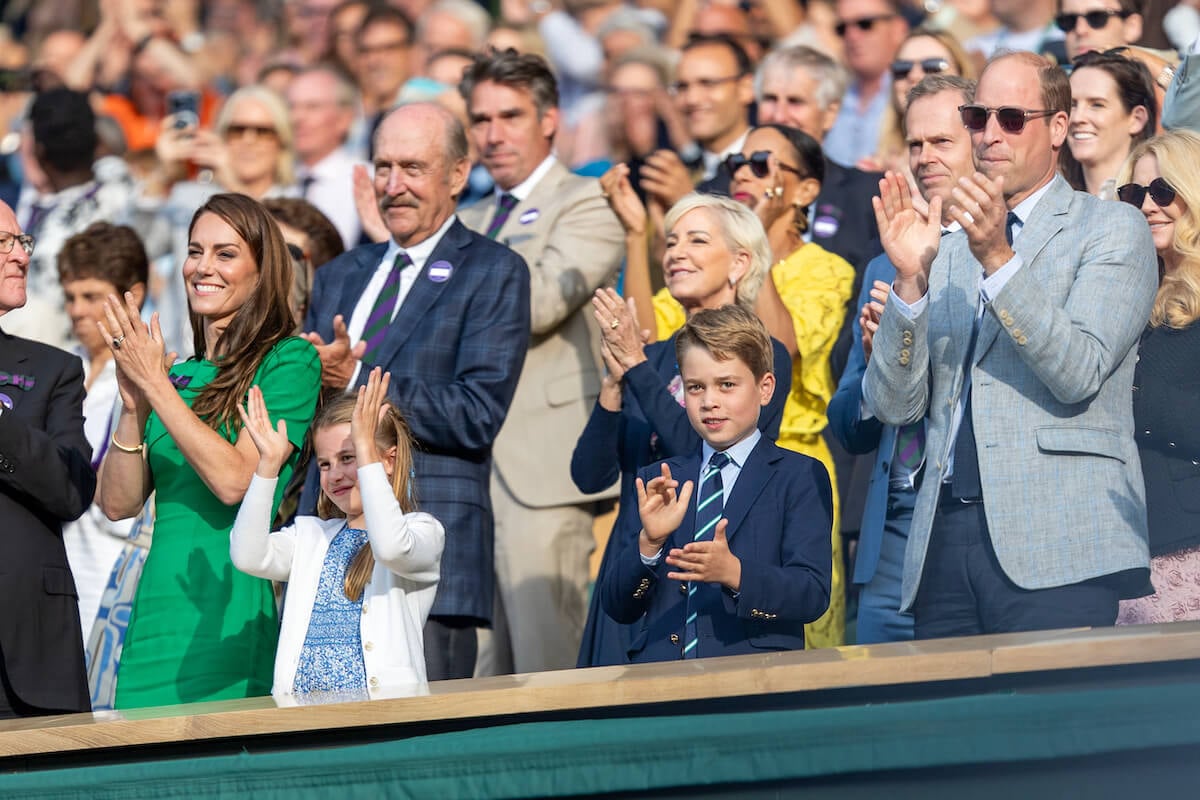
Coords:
pixel 710 505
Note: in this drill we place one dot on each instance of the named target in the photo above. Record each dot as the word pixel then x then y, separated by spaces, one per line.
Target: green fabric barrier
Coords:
pixel 626 755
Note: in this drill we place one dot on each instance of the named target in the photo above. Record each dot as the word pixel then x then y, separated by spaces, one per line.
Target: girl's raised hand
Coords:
pixel 274 449
pixel 368 411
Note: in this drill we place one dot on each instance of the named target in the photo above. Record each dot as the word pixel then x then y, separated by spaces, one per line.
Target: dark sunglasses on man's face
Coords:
pixel 865 24
pixel 1010 118
pixel 1135 194
pixel 759 162
pixel 930 66
pixel 1095 19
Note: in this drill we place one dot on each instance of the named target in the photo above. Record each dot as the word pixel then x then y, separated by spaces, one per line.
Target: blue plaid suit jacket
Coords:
pixel 455 351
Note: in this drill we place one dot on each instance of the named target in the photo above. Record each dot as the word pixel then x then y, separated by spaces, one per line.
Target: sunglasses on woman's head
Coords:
pixel 930 66
pixel 1010 118
pixel 1095 19
pixel 759 161
pixel 1159 190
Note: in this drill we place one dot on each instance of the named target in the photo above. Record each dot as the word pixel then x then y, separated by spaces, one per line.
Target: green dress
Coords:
pixel 199 629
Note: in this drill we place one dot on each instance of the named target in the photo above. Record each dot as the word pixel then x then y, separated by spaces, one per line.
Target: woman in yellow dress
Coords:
pixel 778 175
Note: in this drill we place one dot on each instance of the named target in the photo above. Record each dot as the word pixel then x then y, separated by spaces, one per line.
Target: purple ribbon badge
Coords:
pixel 180 381
pixel 23 382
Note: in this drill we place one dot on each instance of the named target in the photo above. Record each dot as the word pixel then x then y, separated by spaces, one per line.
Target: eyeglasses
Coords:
pixel 759 162
pixel 1095 19
pixel 1159 190
pixel 236 131
pixel 930 66
pixel 865 24
pixel 708 84
pixel 7 240
pixel 1011 118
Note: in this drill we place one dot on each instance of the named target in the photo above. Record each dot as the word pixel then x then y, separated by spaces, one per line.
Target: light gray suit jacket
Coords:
pixel 1051 384
pixel 573 244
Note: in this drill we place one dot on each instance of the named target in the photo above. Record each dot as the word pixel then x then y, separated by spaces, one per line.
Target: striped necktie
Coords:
pixel 375 331
pixel 710 506
pixel 507 203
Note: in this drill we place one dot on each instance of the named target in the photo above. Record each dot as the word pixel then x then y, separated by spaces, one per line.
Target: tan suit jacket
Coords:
pixel 573 244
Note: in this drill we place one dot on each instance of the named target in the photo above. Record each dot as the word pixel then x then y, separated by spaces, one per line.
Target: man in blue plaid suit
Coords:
pixel 446 311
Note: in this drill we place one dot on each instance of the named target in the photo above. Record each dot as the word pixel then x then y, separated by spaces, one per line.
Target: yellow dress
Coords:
pixel 815 286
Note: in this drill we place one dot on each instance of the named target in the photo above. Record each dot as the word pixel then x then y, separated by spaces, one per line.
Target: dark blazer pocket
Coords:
pixel 58 580
pixel 775 635
pixel 1080 441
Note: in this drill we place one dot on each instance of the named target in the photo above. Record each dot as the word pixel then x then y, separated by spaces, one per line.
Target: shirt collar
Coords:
pixel 737 454
pixel 521 190
pixel 419 253
pixel 1024 208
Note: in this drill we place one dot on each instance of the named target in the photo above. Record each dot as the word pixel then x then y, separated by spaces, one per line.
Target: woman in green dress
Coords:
pixel 199 629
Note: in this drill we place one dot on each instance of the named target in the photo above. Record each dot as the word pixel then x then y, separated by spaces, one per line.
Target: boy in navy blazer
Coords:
pixel 745 566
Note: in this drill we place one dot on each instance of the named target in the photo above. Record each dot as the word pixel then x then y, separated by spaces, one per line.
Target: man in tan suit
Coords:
pixel 562 226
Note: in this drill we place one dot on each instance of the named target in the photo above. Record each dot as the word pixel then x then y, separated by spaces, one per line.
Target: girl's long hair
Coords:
pixel 264 320
pixel 393 432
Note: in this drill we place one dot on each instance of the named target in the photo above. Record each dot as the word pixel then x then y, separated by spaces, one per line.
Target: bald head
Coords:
pixel 14 265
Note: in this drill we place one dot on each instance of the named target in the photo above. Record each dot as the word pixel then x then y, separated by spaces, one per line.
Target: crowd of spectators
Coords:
pixel 475 241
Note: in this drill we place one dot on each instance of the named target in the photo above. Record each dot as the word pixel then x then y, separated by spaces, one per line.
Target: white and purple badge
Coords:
pixel 439 271
pixel 529 216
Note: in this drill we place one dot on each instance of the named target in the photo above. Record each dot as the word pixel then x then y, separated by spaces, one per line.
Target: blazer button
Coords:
pixel 374 683
pixel 682 587
pixel 904 353
pixel 674 638
pixel 1017 332
pixel 1023 341
pixel 368 646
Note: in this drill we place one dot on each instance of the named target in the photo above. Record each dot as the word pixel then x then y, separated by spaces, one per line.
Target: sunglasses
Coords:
pixel 1135 194
pixel 236 131
pixel 759 162
pixel 930 66
pixel 1095 19
pixel 1010 118
pixel 865 24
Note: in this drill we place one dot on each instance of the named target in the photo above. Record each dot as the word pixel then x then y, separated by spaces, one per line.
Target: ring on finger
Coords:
pixel 116 343
pixel 614 324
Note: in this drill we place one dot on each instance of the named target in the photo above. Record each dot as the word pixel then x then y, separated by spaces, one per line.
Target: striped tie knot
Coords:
pixel 504 208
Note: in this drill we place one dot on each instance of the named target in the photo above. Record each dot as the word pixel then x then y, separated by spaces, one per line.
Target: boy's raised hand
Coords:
pixel 273 446
pixel 710 562
pixel 368 411
pixel 661 509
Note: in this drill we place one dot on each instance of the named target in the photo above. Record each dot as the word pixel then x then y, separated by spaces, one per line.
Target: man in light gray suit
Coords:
pixel 562 226
pixel 1016 339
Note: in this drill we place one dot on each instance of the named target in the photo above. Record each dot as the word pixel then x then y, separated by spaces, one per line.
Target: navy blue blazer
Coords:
pixel 779 517
pixel 650 426
pixel 861 436
pixel 46 479
pixel 455 351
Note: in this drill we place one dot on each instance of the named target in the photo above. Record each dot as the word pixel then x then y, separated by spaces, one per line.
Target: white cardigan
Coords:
pixel 396 601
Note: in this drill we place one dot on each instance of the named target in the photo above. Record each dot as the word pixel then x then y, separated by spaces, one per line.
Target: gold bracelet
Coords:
pixel 124 448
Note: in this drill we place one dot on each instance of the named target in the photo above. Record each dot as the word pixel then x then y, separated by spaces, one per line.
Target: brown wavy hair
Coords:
pixel 394 432
pixel 261 323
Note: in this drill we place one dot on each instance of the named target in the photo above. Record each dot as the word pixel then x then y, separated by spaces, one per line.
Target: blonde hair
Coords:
pixel 285 166
pixel 892 132
pixel 393 432
pixel 742 231
pixel 1177 303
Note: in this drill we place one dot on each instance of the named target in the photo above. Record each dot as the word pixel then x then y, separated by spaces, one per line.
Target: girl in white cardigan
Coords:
pixel 361 578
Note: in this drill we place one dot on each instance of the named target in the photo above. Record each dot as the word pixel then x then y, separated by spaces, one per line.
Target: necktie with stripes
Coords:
pixel 375 331
pixel 710 505
pixel 507 203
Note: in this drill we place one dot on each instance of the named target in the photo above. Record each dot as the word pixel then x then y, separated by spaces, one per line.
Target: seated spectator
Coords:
pixel 747 565
pixel 101 261
pixel 1098 25
pixel 717 253
pixel 1160 178
pixel 249 152
pixel 63 144
pixel 1112 109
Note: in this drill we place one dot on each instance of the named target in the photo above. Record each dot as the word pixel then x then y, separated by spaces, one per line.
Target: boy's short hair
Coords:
pixel 726 333
pixel 105 252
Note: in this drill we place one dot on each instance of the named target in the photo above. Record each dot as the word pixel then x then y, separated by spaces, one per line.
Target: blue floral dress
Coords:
pixel 331 660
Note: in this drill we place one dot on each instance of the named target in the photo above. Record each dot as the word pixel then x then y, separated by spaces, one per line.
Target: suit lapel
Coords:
pixel 1043 224
pixel 543 192
pixel 355 280
pixel 757 470
pixel 425 292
